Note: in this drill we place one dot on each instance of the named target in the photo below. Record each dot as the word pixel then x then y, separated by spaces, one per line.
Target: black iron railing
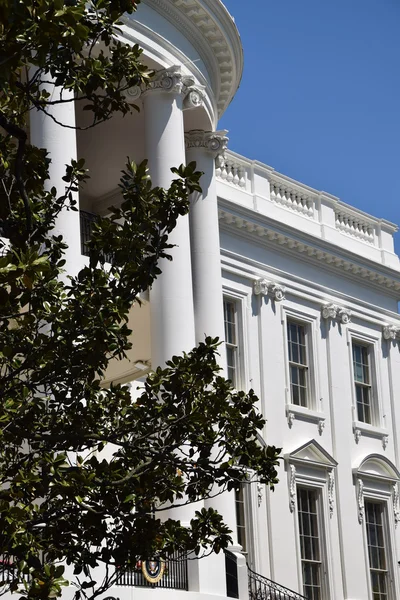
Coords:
pixel 7 569
pixel 175 576
pixel 261 588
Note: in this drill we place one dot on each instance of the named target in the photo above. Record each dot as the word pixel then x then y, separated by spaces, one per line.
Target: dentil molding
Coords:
pixel 211 30
pixel 266 232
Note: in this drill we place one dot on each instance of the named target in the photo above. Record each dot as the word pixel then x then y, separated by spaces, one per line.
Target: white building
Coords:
pixel 310 288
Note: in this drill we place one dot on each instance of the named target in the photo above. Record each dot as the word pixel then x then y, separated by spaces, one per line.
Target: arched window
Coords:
pixel 377 486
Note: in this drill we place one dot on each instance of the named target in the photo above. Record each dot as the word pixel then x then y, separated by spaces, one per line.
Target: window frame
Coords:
pixel 240 300
pixel 387 546
pixel 309 319
pixel 300 366
pixel 372 342
pixel 321 541
pixel 315 480
pixel 374 415
pixel 377 480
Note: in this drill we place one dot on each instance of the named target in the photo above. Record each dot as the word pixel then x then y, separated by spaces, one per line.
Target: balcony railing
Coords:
pixel 261 588
pixel 175 576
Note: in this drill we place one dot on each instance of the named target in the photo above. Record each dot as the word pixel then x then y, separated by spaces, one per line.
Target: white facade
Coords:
pixel 289 261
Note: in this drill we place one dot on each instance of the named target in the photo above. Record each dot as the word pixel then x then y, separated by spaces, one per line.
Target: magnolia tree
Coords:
pixel 69 509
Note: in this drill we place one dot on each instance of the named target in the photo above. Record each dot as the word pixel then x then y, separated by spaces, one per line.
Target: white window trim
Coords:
pixel 241 299
pixel 380 490
pixel 319 483
pixel 316 471
pixel 378 427
pixel 314 411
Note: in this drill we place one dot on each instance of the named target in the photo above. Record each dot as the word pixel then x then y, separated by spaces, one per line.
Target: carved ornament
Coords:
pixel 292 488
pixel 214 142
pixel 263 287
pixel 390 332
pixel 334 312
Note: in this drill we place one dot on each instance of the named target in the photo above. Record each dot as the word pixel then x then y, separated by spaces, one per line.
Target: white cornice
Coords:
pixel 260 229
pixel 212 32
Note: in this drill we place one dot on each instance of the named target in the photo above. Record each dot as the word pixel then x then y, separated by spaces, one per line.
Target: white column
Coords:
pixel 171 295
pixel 203 147
pixel 60 142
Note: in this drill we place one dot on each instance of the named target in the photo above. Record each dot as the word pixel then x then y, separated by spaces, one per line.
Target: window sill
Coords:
pixel 300 413
pixel 360 429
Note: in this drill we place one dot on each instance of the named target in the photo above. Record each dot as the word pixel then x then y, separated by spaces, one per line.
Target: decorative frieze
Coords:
pixel 263 287
pixel 321 426
pixel 357 435
pixel 214 142
pixel 385 441
pixel 390 332
pixel 292 488
pixel 334 312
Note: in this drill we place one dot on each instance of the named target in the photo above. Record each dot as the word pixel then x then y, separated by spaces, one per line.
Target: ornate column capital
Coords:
pixel 214 142
pixel 390 332
pixel 333 312
pixel 172 81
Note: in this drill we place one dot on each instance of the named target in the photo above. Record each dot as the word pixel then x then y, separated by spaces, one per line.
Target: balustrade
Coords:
pixel 290 198
pixel 231 171
pixel 355 226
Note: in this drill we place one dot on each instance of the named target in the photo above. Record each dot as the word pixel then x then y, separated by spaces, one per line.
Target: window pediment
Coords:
pixel 312 453
pixel 376 466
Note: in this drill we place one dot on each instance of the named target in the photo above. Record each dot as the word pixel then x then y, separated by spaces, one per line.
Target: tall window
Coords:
pixel 377 551
pixel 231 340
pixel 241 518
pixel 310 542
pixel 362 382
pixel 298 363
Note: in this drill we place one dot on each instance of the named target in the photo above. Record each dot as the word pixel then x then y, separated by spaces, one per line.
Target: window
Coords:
pixel 310 542
pixel 231 340
pixel 378 567
pixel 298 363
pixel 241 518
pixel 362 382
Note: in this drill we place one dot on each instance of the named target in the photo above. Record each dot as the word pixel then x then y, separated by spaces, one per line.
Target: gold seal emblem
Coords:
pixel 153 569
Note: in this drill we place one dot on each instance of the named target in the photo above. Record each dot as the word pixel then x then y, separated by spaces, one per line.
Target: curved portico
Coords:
pixel 195 52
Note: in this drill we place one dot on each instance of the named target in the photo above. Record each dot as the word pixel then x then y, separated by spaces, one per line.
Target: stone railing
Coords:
pixel 230 170
pixel 354 225
pixel 270 192
pixel 289 197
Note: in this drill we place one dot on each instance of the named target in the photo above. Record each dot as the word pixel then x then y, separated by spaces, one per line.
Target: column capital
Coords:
pixel 172 80
pixel 214 142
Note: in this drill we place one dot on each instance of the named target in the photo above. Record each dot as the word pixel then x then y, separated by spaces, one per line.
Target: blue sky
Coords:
pixel 320 96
